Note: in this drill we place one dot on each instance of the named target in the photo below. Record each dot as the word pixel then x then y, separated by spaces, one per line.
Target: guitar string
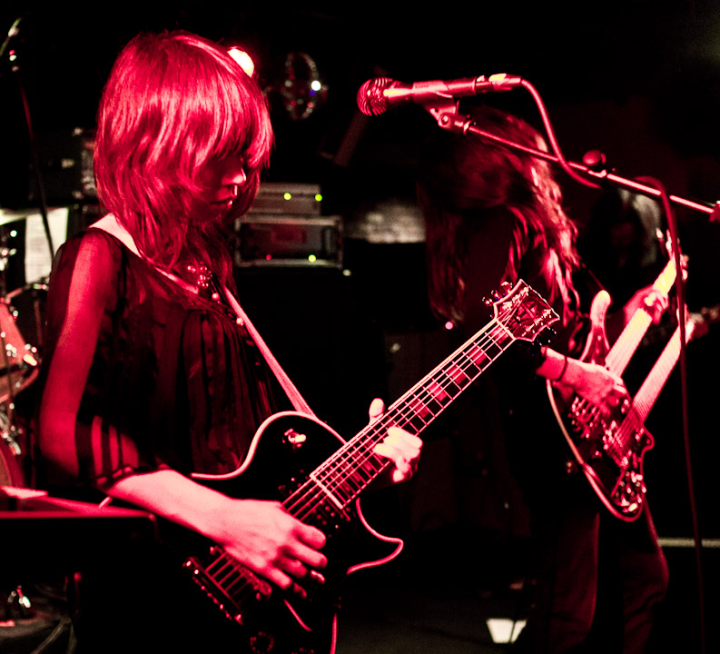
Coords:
pixel 663 366
pixel 377 430
pixel 450 375
pixel 443 371
pixel 246 589
pixel 616 442
pixel 461 361
pixel 358 456
pixel 358 447
pixel 362 451
pixel 616 361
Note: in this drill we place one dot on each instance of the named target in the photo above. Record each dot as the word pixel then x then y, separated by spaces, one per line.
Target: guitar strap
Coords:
pixel 110 225
pixel 298 401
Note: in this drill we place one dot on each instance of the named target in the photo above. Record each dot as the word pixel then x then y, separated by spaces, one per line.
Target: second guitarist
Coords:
pixel 493 214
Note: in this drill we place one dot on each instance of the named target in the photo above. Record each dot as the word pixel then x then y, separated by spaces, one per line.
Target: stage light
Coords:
pixel 299 85
pixel 243 59
pixel 504 630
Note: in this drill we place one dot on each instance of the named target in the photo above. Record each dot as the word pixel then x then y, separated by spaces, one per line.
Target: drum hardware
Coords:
pixel 19 361
pixel 5 254
pixel 10 433
pixel 17 604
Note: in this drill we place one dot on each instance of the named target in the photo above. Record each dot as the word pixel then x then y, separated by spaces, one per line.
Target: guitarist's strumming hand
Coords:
pixel 594 382
pixel 263 536
pixel 260 534
pixel 400 446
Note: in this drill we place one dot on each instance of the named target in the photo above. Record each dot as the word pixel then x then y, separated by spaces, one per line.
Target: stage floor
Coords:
pixel 434 599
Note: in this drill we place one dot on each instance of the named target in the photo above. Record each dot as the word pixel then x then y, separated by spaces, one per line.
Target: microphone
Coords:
pixel 378 95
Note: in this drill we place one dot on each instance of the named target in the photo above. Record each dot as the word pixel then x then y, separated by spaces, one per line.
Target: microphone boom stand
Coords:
pixel 42 198
pixel 446 112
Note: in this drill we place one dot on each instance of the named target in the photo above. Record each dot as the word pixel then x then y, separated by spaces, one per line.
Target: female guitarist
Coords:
pixel 149 375
pixel 494 214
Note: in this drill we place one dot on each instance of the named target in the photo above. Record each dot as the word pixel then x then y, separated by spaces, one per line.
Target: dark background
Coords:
pixel 637 79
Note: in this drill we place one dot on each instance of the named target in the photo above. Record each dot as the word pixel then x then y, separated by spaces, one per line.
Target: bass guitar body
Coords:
pixel 611 460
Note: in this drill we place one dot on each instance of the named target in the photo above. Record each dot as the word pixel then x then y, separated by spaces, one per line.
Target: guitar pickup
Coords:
pixel 220 596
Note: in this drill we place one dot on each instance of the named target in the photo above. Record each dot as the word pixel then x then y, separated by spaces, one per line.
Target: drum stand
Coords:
pixel 19 366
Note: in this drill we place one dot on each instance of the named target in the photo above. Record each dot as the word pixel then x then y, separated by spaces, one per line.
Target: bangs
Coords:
pixel 174 102
pixel 239 124
pixel 224 114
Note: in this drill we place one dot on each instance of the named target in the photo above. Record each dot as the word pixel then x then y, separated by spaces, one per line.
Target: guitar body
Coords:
pixel 608 449
pixel 286 449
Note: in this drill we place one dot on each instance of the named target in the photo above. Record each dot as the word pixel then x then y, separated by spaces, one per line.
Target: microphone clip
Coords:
pixel 446 112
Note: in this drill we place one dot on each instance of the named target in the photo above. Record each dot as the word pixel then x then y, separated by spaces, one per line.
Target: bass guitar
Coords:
pixel 319 477
pixel 611 463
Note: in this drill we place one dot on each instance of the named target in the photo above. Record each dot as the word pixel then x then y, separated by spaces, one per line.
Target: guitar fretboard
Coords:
pixel 350 470
pixel 655 381
pixel 629 340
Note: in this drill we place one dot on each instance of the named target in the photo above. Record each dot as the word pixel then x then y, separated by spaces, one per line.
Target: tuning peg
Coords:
pixel 498 294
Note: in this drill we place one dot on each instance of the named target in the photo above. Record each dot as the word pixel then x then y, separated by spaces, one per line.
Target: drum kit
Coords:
pixel 21 341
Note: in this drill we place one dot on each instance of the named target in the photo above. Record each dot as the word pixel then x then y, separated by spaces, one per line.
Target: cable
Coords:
pixel 680 289
pixel 551 137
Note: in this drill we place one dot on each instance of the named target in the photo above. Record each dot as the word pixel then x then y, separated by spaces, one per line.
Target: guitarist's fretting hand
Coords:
pixel 654 302
pixel 400 446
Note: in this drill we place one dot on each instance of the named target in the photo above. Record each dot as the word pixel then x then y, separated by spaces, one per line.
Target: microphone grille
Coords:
pixel 370 98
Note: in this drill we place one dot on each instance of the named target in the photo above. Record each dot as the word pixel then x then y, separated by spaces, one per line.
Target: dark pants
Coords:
pixel 598 579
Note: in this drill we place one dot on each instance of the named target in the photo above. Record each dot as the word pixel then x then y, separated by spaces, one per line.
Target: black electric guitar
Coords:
pixel 612 464
pixel 318 477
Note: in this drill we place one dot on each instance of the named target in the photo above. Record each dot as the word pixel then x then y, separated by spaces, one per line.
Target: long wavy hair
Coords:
pixel 173 103
pixel 463 177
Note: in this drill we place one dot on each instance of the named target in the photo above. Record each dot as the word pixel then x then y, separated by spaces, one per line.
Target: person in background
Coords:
pixel 494 215
pixel 148 374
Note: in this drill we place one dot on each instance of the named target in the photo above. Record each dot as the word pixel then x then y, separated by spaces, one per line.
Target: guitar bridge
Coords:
pixel 230 586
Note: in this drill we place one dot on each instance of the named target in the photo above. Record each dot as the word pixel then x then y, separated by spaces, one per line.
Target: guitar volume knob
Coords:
pixel 261 643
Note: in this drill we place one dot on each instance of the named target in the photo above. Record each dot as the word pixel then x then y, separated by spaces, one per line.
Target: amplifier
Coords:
pixel 288 240
pixel 66 164
pixel 281 198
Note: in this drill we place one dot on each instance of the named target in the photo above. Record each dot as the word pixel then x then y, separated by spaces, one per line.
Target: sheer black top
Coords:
pixel 139 373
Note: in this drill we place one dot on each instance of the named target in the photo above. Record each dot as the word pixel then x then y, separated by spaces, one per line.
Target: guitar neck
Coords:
pixel 354 466
pixel 655 381
pixel 627 343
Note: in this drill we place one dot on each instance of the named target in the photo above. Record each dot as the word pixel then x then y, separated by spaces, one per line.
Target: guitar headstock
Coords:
pixel 522 311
